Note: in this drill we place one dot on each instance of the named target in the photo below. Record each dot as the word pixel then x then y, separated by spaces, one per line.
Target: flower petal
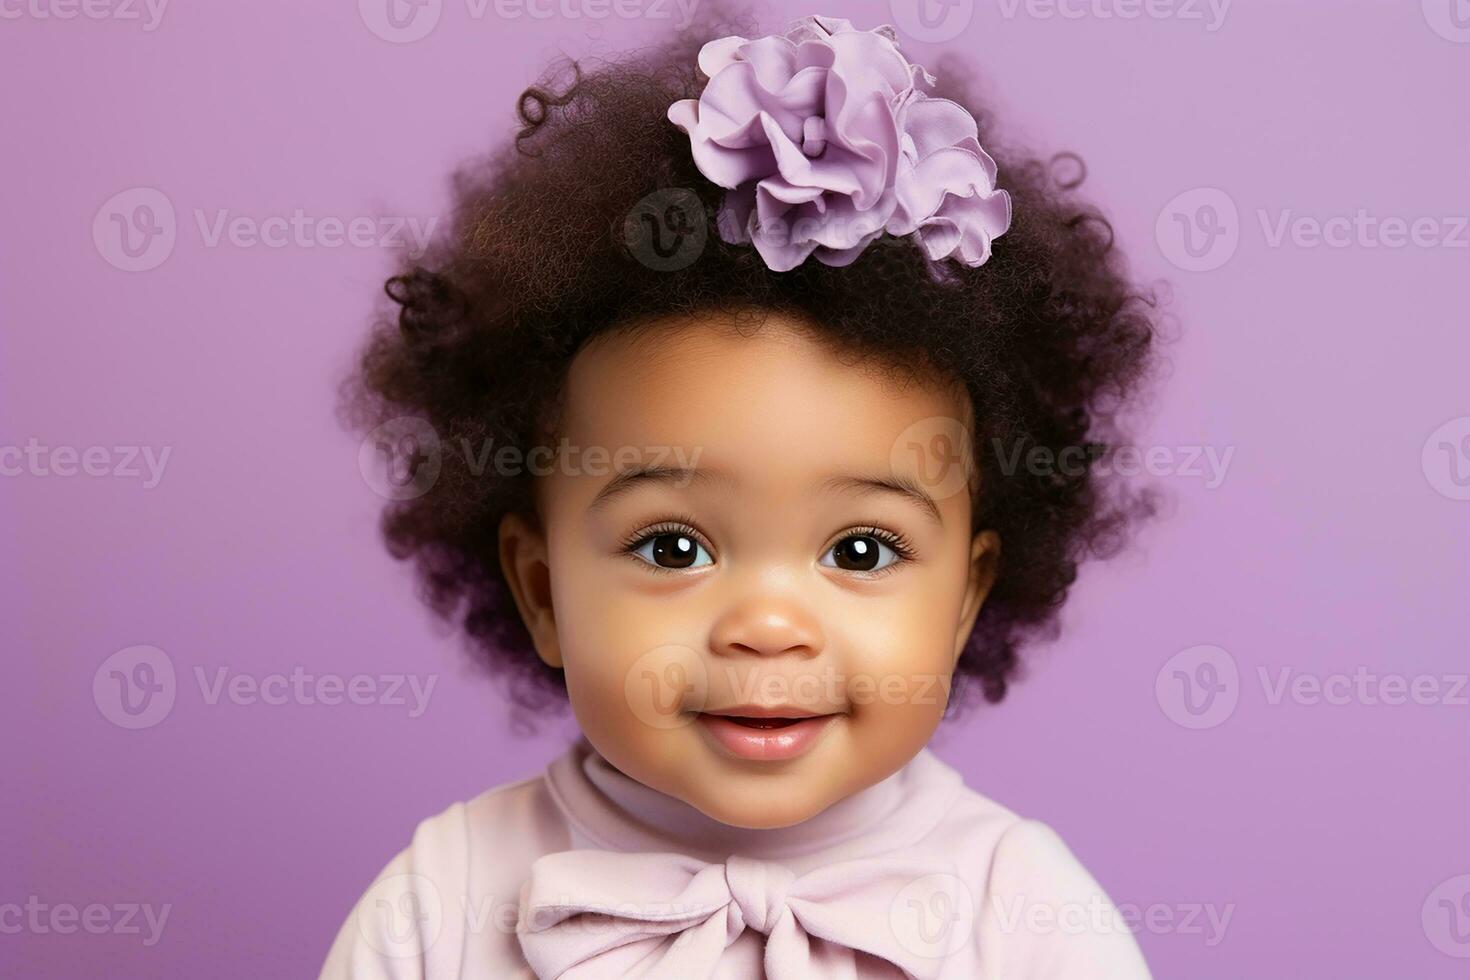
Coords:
pixel 772 58
pixel 719 54
pixel 866 127
pixel 939 237
pixel 884 155
pixel 846 226
pixel 832 171
pixel 976 220
pixel 937 123
pixel 943 172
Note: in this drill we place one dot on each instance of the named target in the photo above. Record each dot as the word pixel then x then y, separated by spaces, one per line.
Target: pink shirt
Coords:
pixel 916 876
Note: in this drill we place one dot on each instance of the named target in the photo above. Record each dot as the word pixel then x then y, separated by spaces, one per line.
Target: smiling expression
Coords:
pixel 759 595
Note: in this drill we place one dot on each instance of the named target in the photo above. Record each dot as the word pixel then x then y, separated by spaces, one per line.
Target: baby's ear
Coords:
pixel 984 561
pixel 523 562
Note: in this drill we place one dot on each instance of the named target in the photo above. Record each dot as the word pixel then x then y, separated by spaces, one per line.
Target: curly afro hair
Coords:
pixel 1052 340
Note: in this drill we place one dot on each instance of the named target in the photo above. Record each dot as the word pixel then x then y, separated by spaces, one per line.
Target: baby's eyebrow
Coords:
pixel 896 483
pixel 682 476
pixel 679 476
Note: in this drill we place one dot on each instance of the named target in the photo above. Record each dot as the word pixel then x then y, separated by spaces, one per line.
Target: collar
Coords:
pixel 618 813
pixel 663 890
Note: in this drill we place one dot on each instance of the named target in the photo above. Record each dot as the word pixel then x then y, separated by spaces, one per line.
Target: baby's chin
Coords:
pixel 761 808
pixel 764 796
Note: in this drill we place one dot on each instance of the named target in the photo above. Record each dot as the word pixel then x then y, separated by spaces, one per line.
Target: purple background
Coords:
pixel 1331 544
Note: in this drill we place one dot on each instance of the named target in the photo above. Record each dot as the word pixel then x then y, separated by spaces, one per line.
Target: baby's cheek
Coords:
pixel 890 723
pixel 630 659
pixel 897 651
pixel 901 663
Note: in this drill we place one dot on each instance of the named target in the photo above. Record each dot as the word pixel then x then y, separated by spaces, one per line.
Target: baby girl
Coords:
pixel 759 335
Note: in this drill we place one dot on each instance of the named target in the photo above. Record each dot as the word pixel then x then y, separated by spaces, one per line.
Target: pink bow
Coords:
pixel 591 913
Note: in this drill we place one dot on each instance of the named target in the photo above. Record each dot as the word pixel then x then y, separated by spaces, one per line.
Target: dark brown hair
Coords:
pixel 1051 339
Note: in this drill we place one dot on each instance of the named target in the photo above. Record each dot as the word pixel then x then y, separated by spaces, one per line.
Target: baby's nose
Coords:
pixel 767 625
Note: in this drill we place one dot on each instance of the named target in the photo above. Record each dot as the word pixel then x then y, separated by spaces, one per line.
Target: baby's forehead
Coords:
pixel 776 413
pixel 767 383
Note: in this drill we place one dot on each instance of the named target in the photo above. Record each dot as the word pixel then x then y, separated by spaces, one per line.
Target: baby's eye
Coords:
pixel 860 553
pixel 672 549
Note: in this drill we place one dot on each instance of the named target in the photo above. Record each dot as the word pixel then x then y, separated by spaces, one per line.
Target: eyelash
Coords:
pixel 902 547
pixel 679 524
pixel 675 524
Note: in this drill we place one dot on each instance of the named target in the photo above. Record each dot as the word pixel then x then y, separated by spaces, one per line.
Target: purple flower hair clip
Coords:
pixel 825 138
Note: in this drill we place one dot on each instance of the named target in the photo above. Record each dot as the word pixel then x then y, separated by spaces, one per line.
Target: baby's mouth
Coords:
pixel 762 722
pixel 765 716
pixel 770 734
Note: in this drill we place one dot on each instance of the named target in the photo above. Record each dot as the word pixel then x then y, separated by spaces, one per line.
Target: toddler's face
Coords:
pixel 747 526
